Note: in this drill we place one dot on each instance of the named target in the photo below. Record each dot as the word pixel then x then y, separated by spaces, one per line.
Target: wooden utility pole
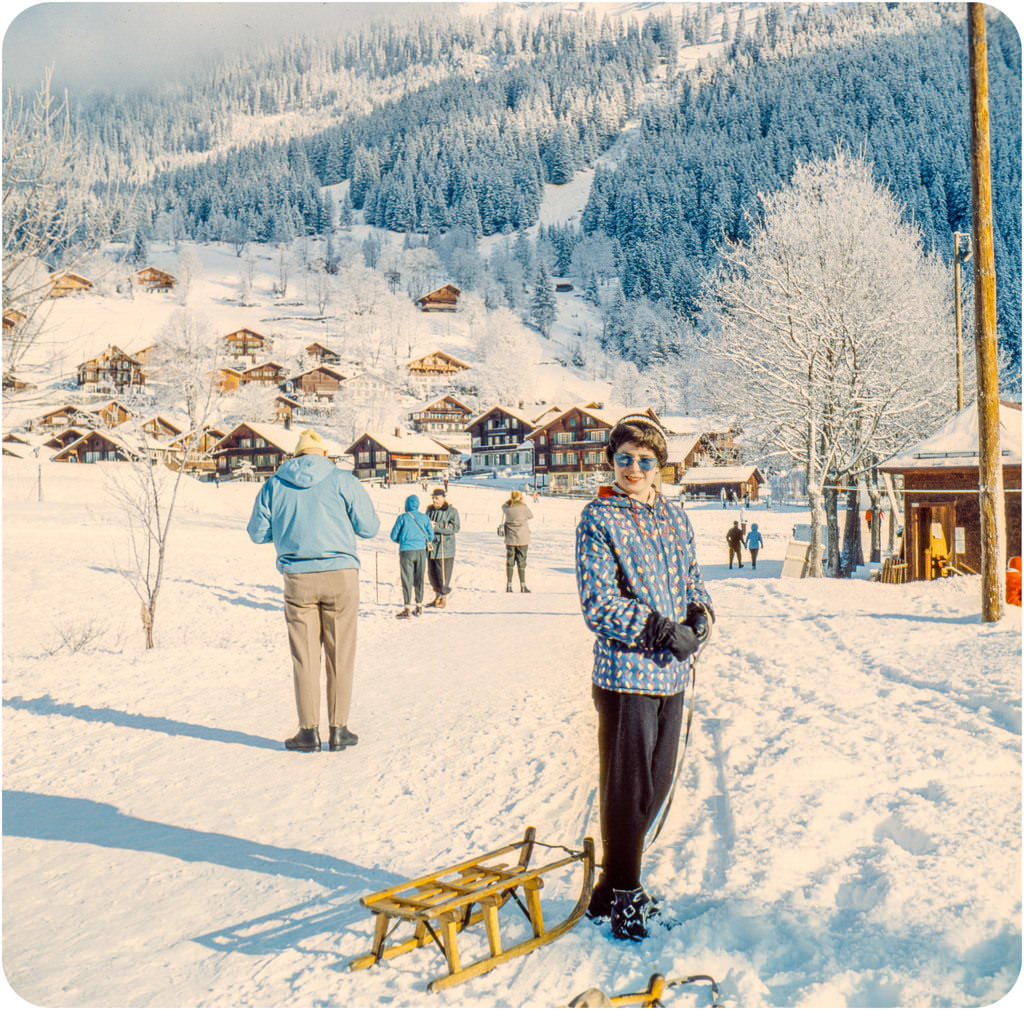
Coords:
pixel 991 500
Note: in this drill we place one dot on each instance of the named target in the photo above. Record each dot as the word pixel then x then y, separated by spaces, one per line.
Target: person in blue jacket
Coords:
pixel 412 532
pixel 313 512
pixel 754 542
pixel 642 595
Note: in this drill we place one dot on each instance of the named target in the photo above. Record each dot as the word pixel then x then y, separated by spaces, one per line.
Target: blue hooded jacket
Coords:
pixel 313 512
pixel 412 529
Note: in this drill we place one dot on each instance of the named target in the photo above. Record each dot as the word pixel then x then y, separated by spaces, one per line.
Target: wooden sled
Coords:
pixel 440 905
pixel 650 997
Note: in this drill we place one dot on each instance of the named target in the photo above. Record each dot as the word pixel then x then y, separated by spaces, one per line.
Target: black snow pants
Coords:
pixel 638 742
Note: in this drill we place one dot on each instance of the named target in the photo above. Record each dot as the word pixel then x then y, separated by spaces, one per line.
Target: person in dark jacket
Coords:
pixel 412 531
pixel 515 516
pixel 642 595
pixel 313 512
pixel 441 560
pixel 734 538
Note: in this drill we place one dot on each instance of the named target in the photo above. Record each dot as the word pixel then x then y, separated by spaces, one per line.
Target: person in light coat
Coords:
pixel 413 532
pixel 642 594
pixel 515 517
pixel 313 512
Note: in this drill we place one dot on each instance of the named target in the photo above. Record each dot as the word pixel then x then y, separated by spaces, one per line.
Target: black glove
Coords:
pixel 699 619
pixel 660 633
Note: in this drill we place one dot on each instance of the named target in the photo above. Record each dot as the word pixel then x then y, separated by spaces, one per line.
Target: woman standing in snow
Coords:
pixel 515 516
pixel 412 532
pixel 642 594
pixel 754 541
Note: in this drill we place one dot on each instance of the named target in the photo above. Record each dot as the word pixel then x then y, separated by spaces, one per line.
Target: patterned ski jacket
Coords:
pixel 632 559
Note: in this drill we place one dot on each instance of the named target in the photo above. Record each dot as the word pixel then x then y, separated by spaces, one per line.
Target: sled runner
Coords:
pixel 440 905
pixel 650 997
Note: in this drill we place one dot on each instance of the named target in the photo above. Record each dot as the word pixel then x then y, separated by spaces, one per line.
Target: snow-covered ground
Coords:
pixel 846 831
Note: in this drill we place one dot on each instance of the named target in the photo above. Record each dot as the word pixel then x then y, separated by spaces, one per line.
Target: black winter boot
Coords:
pixel 600 906
pixel 630 912
pixel 306 740
pixel 341 738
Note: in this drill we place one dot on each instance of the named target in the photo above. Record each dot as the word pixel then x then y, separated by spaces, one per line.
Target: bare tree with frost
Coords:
pixel 831 325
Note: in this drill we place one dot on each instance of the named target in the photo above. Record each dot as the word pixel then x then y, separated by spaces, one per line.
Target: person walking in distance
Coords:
pixel 313 512
pixel 515 516
pixel 412 531
pixel 642 594
pixel 734 538
pixel 754 542
pixel 445 519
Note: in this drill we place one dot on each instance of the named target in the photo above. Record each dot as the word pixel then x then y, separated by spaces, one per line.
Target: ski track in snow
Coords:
pixel 846 829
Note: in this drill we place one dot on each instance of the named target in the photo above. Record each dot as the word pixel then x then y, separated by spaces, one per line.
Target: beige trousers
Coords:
pixel 321 608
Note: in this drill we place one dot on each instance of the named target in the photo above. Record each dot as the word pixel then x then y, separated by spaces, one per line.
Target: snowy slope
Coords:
pixel 847 829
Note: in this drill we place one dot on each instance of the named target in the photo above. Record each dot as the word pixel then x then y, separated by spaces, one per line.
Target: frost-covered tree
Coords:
pixel 834 325
pixel 542 305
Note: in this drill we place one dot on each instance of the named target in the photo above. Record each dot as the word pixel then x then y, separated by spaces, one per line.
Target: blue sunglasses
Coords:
pixel 646 463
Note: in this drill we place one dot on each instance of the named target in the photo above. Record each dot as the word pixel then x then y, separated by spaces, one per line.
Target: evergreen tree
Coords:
pixel 542 306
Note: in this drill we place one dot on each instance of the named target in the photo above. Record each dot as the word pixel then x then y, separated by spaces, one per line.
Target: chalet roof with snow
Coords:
pixel 519 415
pixel 606 414
pixel 437 363
pixel 277 436
pixel 445 298
pixel 955 445
pixel 722 475
pixel 408 443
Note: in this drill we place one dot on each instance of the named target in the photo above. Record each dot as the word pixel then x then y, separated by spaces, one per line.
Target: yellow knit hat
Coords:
pixel 309 441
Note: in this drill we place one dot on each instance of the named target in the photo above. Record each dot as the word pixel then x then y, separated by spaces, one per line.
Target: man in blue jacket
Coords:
pixel 313 512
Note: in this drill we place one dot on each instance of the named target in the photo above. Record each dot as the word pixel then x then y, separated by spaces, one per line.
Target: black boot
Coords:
pixel 305 740
pixel 342 738
pixel 600 906
pixel 630 912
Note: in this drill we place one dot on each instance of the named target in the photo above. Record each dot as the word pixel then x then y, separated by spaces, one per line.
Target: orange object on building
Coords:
pixel 1013 582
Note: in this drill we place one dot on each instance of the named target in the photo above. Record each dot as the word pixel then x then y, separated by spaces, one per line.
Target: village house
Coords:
pixel 112 371
pixel 62 439
pixel 152 279
pixel 13 319
pixel 737 481
pixel 160 428
pixel 100 447
pixel 66 283
pixel 939 476
pixel 285 409
pixel 436 365
pixel 440 414
pixel 11 383
pixel 322 382
pixel 227 379
pixel 444 299
pixel 684 452
pixel 61 417
pixel 569 447
pixel 253 448
pixel 246 343
pixel 316 352
pixel 195 449
pixel 399 458
pixel 498 440
pixel 267 373
pixel 113 413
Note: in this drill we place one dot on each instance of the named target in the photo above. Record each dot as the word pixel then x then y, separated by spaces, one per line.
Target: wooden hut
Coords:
pixel 322 355
pixel 67 283
pixel 444 299
pixel 246 343
pixel 152 279
pixel 322 382
pixel 941 521
pixel 709 481
pixel 398 458
pixel 266 373
pixel 437 365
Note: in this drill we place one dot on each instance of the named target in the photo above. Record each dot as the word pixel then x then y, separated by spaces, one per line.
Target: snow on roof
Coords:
pixel 680 446
pixel 511 411
pixel 720 474
pixel 955 444
pixel 405 443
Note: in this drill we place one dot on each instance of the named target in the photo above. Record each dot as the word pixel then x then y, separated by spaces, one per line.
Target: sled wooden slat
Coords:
pixel 440 905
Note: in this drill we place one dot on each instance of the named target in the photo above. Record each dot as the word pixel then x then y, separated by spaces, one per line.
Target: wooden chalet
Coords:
pixel 569 447
pixel 321 355
pixel 444 299
pixel 21 445
pixel 67 283
pixel 13 319
pixel 195 450
pixel 941 522
pixel 227 379
pixel 160 428
pixel 444 414
pixel 709 481
pixel 13 384
pixel 399 458
pixel 267 373
pixel 684 453
pixel 72 433
pixel 285 409
pixel 113 370
pixel 246 343
pixel 498 439
pixel 152 279
pixel 254 448
pixel 97 447
pixel 113 413
pixel 322 382
pixel 60 417
pixel 437 365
